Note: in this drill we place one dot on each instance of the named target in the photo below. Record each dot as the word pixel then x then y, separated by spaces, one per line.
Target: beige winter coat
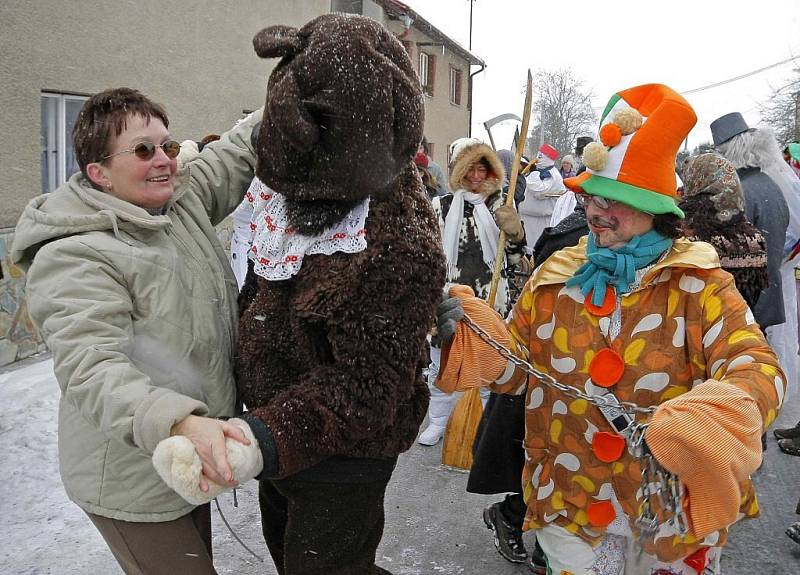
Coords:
pixel 140 314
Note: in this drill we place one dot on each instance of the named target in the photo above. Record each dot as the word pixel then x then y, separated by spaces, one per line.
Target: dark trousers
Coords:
pixel 513 508
pixel 165 548
pixel 322 528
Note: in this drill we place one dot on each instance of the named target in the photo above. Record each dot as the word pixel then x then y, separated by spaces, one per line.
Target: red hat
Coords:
pixel 549 151
pixel 421 159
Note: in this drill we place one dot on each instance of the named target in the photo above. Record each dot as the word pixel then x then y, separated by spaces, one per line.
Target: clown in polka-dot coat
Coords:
pixel 683 326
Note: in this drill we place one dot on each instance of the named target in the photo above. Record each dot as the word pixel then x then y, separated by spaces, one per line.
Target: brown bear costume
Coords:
pixel 330 360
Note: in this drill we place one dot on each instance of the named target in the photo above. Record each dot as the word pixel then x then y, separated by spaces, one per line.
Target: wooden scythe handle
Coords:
pixel 463 423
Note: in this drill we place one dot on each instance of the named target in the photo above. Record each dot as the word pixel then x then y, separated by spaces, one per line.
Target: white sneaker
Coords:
pixel 431 436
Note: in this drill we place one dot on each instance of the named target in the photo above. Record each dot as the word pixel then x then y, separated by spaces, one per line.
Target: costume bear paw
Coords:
pixel 179 465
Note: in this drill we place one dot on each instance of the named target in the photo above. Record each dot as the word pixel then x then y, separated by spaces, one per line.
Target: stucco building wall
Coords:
pixel 196 58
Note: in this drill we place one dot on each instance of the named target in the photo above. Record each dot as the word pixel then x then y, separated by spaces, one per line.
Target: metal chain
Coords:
pixel 658 485
pixel 600 401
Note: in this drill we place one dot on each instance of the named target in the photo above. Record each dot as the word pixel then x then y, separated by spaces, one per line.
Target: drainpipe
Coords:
pixel 407 21
pixel 469 100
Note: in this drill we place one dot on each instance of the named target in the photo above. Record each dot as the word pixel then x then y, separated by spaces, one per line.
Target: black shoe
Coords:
pixel 788 433
pixel 537 561
pixel 790 446
pixel 507 538
pixel 794 532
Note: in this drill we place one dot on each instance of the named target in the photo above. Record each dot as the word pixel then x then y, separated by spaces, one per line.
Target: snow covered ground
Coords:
pixel 432 525
pixel 431 521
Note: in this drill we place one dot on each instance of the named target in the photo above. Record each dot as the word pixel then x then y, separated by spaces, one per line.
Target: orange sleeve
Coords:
pixel 711 435
pixel 468 361
pixel 518 324
pixel 736 350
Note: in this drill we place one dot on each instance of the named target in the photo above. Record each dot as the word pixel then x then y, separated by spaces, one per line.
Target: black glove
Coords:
pixel 448 313
pixel 266 441
pixel 254 135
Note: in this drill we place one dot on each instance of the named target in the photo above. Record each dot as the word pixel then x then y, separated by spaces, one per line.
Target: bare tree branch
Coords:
pixel 563 110
pixel 780 112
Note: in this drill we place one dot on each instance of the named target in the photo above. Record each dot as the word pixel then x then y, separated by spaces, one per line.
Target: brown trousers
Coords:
pixel 166 548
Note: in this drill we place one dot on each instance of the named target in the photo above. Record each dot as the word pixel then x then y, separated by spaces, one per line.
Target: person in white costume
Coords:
pixel 545 186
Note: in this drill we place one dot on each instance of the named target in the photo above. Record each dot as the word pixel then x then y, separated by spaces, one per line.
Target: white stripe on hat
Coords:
pixel 616 155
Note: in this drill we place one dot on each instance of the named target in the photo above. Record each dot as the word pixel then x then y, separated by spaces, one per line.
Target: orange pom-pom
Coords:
pixel 608 305
pixel 607 447
pixel 606 367
pixel 610 134
pixel 601 513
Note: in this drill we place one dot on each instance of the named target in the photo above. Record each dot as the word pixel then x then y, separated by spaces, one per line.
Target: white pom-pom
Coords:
pixel 629 120
pixel 595 156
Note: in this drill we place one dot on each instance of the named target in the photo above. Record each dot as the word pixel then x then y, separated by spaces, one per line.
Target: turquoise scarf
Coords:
pixel 617 267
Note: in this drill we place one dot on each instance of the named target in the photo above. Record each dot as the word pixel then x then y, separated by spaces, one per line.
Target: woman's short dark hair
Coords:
pixel 668 225
pixel 107 113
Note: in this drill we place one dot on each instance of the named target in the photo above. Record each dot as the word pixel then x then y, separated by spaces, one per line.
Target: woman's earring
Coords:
pixel 109 187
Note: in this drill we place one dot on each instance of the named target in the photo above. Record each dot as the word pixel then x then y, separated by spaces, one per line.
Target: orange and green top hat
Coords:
pixel 641 131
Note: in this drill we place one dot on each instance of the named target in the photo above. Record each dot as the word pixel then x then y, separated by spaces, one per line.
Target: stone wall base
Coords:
pixel 18 338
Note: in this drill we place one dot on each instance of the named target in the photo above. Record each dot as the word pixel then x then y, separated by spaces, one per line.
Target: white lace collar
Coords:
pixel 277 250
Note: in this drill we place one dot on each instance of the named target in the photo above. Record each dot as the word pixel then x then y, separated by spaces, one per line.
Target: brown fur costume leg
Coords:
pixel 322 528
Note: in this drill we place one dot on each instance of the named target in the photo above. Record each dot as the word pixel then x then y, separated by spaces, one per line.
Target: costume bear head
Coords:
pixel 343 116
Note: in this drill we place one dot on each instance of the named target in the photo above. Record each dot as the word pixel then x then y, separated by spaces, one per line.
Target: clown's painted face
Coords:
pixel 614 223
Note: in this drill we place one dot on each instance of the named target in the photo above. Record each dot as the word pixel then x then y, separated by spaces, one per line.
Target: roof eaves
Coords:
pixel 393 8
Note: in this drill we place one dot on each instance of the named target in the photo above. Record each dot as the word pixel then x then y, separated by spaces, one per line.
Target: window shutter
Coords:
pixel 431 73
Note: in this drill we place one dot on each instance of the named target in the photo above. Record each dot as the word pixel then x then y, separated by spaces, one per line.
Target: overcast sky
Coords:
pixel 612 45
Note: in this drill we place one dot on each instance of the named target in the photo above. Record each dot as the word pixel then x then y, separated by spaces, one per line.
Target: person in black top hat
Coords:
pixel 580 144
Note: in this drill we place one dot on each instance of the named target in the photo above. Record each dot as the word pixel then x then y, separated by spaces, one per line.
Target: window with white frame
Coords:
pixel 59 112
pixel 423 69
pixel 427 72
pixel 455 86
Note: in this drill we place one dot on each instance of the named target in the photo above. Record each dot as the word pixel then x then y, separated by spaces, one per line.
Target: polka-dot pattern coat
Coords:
pixel 685 324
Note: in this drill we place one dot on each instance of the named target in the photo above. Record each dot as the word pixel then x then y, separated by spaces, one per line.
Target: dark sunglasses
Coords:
pixel 146 150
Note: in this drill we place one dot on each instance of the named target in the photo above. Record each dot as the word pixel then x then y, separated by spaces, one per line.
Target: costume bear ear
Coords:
pixel 277 41
pixel 289 114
